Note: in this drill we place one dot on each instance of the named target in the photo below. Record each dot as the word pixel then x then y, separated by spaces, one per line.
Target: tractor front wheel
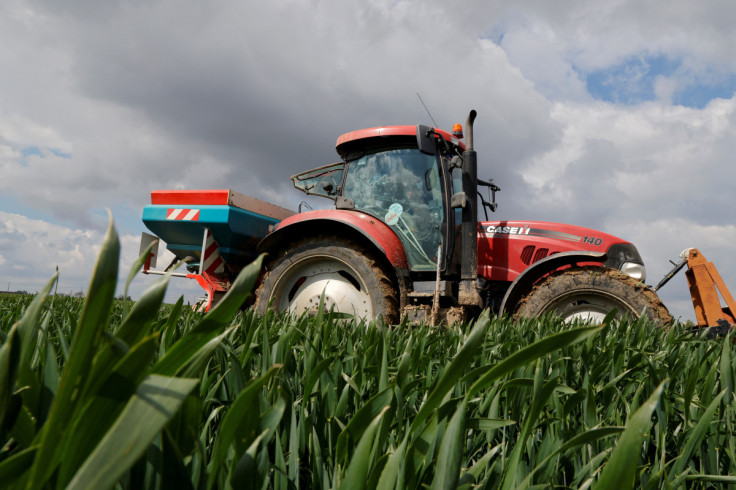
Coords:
pixel 589 294
pixel 350 279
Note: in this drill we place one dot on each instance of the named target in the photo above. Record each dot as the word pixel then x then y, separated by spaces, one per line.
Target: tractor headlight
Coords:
pixel 625 257
pixel 635 270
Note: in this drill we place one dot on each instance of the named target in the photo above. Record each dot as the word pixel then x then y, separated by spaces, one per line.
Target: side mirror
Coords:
pixel 426 140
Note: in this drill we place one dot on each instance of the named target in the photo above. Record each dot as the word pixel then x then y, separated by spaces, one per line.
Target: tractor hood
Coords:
pixel 518 244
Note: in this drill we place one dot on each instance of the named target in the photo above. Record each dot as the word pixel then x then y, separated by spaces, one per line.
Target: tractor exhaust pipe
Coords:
pixel 469 128
pixel 468 294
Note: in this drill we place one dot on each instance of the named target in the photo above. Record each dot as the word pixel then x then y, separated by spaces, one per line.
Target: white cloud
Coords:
pixel 33 249
pixel 234 95
pixel 650 174
pixel 115 99
pixel 21 132
pixel 557 44
pixel 655 158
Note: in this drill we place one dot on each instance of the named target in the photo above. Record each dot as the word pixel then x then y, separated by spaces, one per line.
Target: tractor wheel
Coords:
pixel 590 293
pixel 351 280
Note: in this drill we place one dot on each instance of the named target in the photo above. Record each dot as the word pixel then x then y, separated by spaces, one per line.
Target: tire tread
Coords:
pixel 626 288
pixel 389 291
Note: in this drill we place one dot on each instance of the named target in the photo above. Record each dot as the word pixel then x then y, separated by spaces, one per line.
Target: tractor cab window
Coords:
pixel 322 181
pixel 402 187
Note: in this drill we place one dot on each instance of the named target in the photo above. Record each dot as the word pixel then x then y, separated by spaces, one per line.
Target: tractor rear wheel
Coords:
pixel 590 293
pixel 351 280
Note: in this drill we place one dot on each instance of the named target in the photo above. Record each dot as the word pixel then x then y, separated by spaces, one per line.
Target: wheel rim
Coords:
pixel 588 306
pixel 300 287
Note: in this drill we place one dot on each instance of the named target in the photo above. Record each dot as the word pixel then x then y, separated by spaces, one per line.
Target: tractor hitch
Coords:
pixel 706 290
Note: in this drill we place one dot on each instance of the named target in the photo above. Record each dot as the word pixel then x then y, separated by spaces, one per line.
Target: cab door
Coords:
pixel 403 188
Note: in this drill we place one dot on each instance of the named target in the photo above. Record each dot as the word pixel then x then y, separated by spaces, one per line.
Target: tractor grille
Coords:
pixel 526 254
pixel 540 254
pixel 531 254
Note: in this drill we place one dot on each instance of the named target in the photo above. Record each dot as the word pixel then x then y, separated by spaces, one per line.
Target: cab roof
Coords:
pixel 354 138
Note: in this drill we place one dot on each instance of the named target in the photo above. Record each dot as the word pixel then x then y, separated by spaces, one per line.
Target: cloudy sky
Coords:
pixel 615 114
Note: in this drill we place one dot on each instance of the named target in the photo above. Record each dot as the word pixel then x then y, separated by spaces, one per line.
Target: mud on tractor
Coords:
pixel 403 239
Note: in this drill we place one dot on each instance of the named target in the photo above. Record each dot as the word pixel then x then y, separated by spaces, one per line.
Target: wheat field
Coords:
pixel 101 393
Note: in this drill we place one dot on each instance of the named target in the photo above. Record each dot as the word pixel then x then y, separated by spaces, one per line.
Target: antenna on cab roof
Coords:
pixel 425 108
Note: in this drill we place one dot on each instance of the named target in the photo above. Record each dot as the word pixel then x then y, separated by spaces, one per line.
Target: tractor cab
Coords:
pixel 400 177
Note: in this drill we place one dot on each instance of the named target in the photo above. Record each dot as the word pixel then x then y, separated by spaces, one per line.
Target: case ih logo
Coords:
pixel 179 214
pixel 540 232
pixel 507 230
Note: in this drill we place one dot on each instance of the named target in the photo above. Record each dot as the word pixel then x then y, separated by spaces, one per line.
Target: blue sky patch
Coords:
pixel 698 95
pixel 38 152
pixel 31 150
pixel 633 82
pixel 11 204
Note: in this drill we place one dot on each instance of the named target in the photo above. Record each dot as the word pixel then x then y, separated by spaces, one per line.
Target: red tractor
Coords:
pixel 403 239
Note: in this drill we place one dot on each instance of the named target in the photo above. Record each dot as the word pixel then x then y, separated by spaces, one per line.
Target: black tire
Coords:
pixel 352 280
pixel 589 293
